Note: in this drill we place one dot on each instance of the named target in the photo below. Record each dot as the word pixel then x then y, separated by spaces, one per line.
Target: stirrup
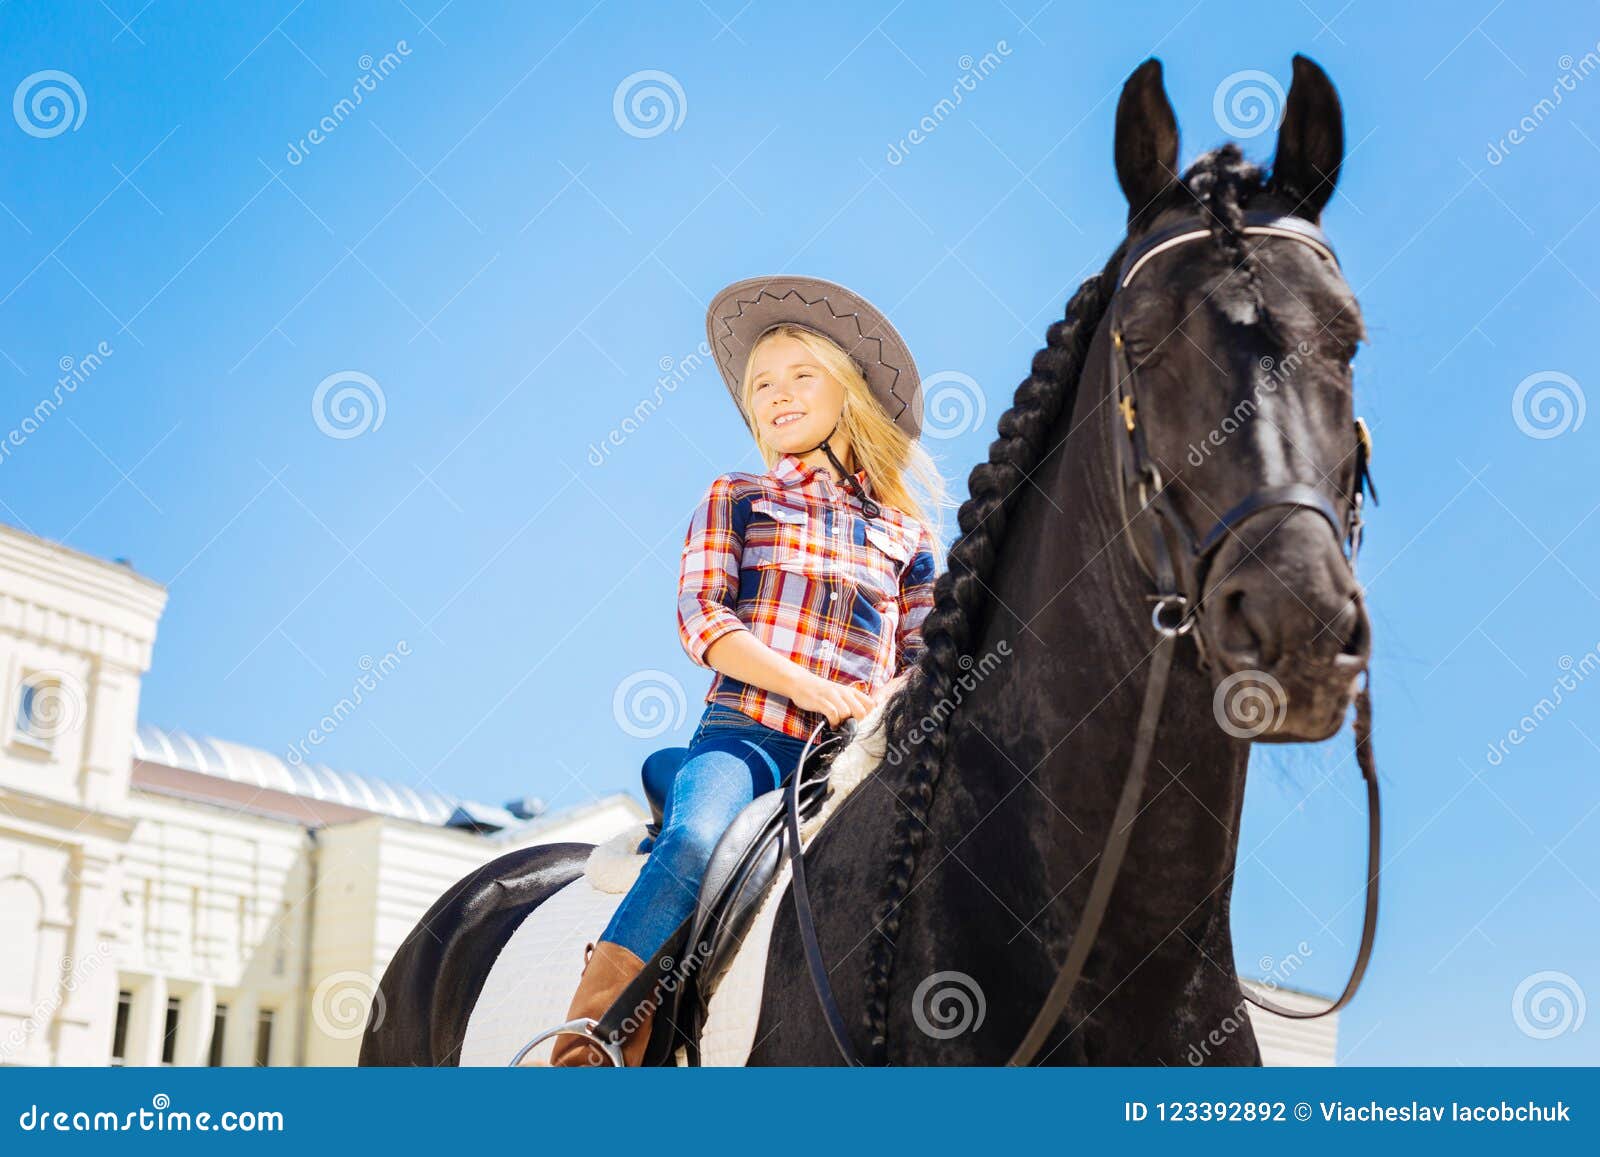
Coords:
pixel 584 1026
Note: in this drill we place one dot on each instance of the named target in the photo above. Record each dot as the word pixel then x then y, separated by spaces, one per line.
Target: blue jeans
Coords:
pixel 731 760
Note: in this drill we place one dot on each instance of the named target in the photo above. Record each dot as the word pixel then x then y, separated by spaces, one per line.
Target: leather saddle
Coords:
pixel 743 865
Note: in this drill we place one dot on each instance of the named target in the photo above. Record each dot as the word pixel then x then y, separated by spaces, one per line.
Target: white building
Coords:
pixel 172 900
pixel 165 899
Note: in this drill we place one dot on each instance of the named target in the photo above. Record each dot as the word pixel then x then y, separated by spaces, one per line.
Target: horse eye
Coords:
pixel 1142 356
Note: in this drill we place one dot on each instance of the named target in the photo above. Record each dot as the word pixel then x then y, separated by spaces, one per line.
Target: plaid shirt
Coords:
pixel 789 556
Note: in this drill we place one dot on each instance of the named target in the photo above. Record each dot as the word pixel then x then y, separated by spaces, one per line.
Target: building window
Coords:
pixel 219 1024
pixel 264 1037
pixel 119 1036
pixel 37 722
pixel 169 1035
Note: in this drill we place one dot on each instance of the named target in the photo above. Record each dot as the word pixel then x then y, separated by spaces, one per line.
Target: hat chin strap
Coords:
pixel 848 480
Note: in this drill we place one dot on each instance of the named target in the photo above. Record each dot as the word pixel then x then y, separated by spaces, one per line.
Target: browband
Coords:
pixel 1257 223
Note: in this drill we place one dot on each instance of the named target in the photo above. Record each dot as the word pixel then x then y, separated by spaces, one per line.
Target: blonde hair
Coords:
pixel 890 456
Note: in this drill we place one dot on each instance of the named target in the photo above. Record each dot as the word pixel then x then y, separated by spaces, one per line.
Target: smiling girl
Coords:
pixel 803 588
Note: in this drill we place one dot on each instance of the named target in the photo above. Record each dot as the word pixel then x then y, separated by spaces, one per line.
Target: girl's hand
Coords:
pixel 891 687
pixel 837 701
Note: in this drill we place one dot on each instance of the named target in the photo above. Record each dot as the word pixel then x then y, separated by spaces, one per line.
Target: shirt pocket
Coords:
pixel 777 537
pixel 883 558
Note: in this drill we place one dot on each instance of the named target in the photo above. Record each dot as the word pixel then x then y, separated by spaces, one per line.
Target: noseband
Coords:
pixel 1173 616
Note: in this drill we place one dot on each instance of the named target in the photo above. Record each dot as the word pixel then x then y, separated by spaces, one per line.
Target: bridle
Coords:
pixel 1178 576
pixel 1179 559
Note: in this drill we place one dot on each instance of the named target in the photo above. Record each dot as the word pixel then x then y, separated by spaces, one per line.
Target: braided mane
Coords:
pixel 1221 184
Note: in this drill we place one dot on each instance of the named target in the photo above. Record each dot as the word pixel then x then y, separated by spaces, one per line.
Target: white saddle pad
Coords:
pixel 532 981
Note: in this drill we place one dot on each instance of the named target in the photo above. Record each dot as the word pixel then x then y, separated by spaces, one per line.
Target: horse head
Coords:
pixel 1231 332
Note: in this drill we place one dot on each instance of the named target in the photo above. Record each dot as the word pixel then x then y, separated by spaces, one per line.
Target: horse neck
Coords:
pixel 1065 704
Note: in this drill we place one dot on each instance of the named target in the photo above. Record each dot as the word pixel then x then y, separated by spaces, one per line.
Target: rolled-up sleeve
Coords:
pixel 916 600
pixel 708 576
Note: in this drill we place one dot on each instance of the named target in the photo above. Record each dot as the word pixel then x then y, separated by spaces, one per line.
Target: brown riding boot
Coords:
pixel 606 972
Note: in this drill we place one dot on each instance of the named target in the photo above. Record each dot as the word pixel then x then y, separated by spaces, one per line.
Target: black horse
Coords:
pixel 1002 778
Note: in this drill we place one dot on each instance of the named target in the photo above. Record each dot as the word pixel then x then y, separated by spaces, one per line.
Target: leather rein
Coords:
pixel 1174 615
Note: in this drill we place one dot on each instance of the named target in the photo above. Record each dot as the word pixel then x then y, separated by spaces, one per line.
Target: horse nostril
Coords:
pixel 1351 626
pixel 1240 636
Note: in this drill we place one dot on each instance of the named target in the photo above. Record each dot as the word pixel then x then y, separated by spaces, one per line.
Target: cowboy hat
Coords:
pixel 745 310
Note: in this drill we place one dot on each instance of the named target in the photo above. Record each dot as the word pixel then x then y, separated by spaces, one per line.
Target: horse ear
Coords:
pixel 1310 141
pixel 1147 138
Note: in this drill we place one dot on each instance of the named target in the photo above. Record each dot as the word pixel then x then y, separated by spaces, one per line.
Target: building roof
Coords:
pixel 121 566
pixel 253 767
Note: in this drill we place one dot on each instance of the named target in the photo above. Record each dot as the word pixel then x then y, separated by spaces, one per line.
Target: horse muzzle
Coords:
pixel 1288 632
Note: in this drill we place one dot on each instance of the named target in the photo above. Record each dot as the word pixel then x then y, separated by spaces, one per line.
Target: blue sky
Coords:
pixel 510 269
